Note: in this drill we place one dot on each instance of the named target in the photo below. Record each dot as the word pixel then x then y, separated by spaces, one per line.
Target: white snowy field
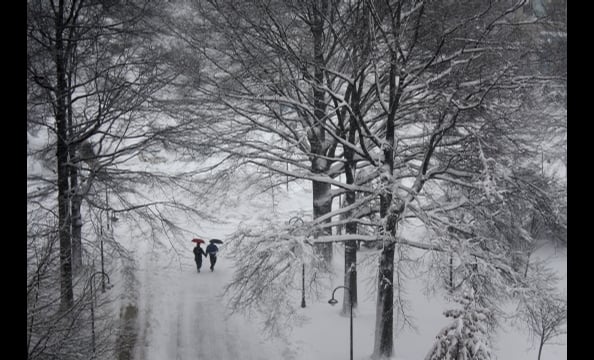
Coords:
pixel 182 315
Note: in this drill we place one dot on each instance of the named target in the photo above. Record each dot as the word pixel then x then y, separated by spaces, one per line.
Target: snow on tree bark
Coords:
pixel 384 318
pixel 322 205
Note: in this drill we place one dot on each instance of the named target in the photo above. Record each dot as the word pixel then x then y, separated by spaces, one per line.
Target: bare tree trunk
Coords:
pixel 384 344
pixel 76 201
pixel 540 347
pixel 76 198
pixel 350 273
pixel 322 201
pixel 76 219
pixel 66 293
pixel 350 251
pixel 384 321
pixel 322 204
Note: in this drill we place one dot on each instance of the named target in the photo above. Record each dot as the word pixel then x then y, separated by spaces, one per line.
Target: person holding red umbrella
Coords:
pixel 198 253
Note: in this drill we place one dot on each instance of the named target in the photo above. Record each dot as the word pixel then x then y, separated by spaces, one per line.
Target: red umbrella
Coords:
pixel 198 241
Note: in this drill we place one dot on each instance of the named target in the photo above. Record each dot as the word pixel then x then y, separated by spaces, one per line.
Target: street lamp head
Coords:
pixel 333 301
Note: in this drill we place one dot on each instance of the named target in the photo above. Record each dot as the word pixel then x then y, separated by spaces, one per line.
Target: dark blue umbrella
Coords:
pixel 216 241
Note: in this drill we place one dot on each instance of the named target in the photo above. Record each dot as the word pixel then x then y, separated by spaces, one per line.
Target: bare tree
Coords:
pixel 91 79
pixel 419 98
pixel 277 91
pixel 97 77
pixel 542 309
pixel 546 319
pixel 82 330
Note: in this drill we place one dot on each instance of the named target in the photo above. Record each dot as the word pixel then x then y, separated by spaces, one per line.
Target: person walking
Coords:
pixel 198 253
pixel 212 250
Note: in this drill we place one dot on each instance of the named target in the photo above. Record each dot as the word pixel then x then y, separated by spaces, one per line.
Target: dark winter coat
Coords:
pixel 198 253
pixel 212 250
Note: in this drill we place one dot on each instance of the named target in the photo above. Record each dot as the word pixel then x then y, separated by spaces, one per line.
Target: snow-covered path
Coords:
pixel 182 316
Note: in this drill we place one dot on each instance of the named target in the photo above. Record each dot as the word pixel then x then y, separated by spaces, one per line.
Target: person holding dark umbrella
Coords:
pixel 198 253
pixel 212 251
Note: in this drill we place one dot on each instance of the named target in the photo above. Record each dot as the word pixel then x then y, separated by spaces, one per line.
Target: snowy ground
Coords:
pixel 182 317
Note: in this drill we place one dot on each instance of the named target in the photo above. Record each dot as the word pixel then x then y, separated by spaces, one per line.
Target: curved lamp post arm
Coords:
pixel 333 301
pixel 296 220
pixel 97 273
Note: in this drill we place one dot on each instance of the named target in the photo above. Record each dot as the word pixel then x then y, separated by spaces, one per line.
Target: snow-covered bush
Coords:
pixel 467 337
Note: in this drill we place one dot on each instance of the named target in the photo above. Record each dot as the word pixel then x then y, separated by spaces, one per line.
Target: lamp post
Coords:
pixel 107 222
pixel 102 267
pixel 333 302
pixel 91 279
pixel 303 286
